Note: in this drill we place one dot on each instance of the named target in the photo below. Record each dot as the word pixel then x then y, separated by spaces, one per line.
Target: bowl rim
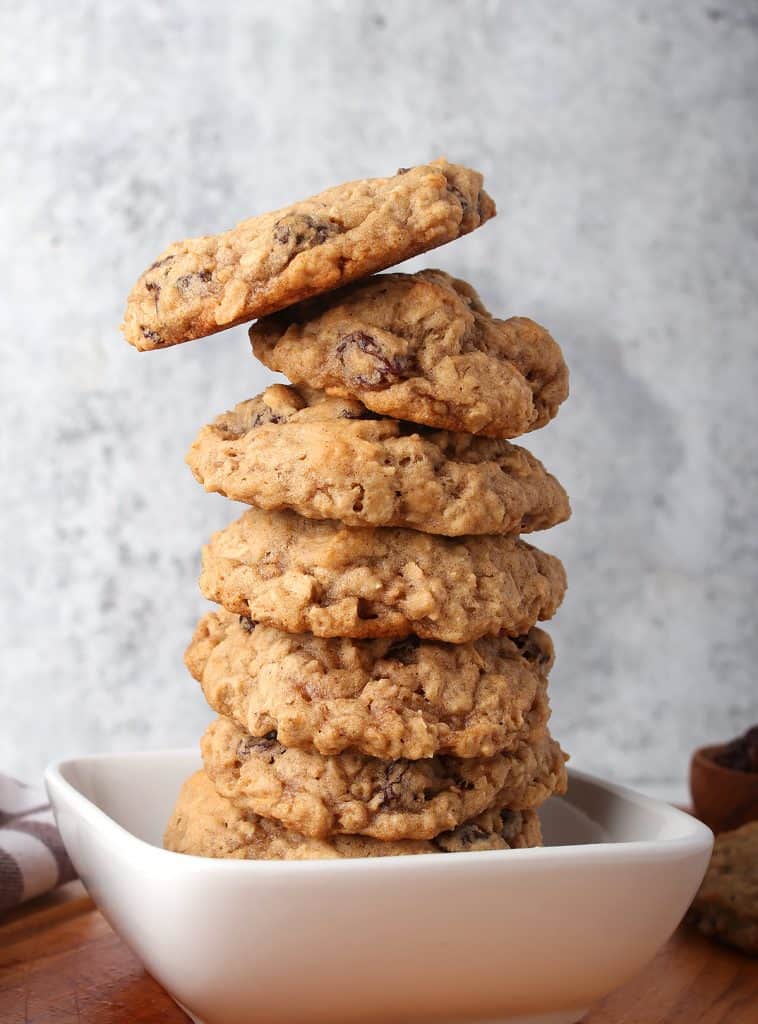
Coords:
pixel 694 837
pixel 704 756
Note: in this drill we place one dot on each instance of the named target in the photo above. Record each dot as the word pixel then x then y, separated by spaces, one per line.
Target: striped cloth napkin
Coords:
pixel 32 856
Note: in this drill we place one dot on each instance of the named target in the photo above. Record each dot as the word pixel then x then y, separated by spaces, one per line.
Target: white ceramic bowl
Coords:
pixel 521 935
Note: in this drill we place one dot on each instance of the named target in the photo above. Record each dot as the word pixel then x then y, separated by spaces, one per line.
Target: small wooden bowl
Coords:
pixel 721 797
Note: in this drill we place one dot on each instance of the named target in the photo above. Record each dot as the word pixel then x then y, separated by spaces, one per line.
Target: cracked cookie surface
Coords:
pixel 330 458
pixel 311 576
pixel 205 824
pixel 353 794
pixel 420 347
pixel 726 906
pixel 384 698
pixel 203 285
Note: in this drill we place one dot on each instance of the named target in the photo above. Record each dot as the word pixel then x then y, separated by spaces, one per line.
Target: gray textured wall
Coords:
pixel 620 143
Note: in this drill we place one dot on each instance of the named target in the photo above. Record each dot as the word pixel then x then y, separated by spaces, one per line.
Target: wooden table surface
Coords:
pixel 60 963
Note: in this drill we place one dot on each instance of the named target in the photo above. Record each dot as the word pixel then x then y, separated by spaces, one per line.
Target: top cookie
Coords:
pixel 203 285
pixel 420 347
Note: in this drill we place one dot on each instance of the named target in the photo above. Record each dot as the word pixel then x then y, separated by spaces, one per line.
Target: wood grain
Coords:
pixel 60 963
pixel 691 981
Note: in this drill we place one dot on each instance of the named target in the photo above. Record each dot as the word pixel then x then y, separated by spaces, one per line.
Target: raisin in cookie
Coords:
pixel 384 698
pixel 330 458
pixel 726 907
pixel 305 575
pixel 203 285
pixel 353 794
pixel 207 825
pixel 420 347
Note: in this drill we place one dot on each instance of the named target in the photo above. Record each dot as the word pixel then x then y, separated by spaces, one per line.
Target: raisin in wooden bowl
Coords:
pixel 724 782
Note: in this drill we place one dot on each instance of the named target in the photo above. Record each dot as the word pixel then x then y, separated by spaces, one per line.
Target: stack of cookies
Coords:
pixel 380 681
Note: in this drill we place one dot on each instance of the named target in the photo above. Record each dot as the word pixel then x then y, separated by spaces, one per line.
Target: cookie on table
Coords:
pixel 203 285
pixel 420 347
pixel 330 458
pixel 726 906
pixel 312 576
pixel 353 794
pixel 205 824
pixel 384 698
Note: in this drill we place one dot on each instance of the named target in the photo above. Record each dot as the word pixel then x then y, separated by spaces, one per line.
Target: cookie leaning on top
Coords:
pixel 380 681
